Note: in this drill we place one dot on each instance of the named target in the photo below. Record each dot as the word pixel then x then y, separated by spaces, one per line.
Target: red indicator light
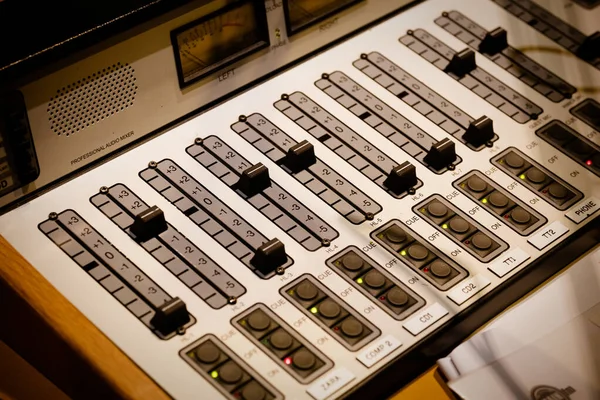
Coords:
pixel 287 360
pixel 382 298
pixel 588 163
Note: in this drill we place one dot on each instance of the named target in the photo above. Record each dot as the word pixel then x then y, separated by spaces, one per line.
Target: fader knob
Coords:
pixel 269 256
pixel 479 132
pixel 590 48
pixel 254 180
pixel 171 316
pixel 149 223
pixel 401 178
pixel 300 156
pixel 441 155
pixel 494 42
pixel 462 63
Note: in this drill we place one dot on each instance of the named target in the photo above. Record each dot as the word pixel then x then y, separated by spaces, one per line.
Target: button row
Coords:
pixel 229 374
pixel 349 328
pixel 419 255
pixel 503 205
pixel 462 229
pixel 291 351
pixel 367 276
pixel 555 191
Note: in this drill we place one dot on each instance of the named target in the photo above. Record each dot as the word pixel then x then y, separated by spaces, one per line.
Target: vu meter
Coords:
pixel 219 39
pixel 300 14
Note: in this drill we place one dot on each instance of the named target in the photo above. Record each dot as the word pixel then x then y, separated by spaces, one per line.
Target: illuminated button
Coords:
pixel 476 184
pixel 253 391
pixel 230 373
pixel 535 175
pixel 497 199
pixel 329 309
pixel 281 340
pixel 514 160
pixel 520 216
pixel 557 191
pixel 259 321
pixel 459 225
pixel 440 269
pixel 437 209
pixel 207 353
pixel 306 290
pixel 481 241
pixel 397 297
pixel 395 234
pixel 374 279
pixel 352 328
pixel 352 262
pixel 418 252
pixel 303 359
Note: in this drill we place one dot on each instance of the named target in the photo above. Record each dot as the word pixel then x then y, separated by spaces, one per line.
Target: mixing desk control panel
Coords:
pixel 322 233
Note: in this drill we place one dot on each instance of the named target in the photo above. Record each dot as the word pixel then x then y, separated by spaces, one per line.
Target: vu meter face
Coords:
pixel 303 12
pixel 218 40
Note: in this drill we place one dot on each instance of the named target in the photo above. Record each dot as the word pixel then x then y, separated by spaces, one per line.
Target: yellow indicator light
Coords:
pixel 484 201
pixel 359 281
pixel 522 176
pixel 314 310
pixel 445 226
pixel 214 374
pixel 403 253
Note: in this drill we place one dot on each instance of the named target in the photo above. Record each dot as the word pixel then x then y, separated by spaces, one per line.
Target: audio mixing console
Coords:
pixel 335 228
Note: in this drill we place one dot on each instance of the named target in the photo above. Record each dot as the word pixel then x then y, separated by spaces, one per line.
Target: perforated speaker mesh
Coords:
pixel 92 99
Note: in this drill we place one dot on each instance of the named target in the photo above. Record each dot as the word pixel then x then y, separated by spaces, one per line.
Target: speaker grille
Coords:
pixel 92 99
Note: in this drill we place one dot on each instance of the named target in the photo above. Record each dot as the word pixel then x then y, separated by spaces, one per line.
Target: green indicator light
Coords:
pixel 403 253
pixel 445 226
pixel 522 176
pixel 314 310
pixel 214 374
pixel 359 281
pixel 484 201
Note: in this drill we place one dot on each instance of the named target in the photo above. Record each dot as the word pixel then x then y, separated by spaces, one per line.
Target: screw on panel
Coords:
pixel 232 300
pixel 451 167
pixel 412 191
pixel 370 216
pixel 409 32
pixel 444 14
pixel 325 242
pixel 152 164
pixel 280 270
pixel 284 97
pixel 489 144
pixel 325 76
pixel 363 56
pixel 242 118
pixel 103 189
pixel 198 141
pixel 53 215
pixel 181 330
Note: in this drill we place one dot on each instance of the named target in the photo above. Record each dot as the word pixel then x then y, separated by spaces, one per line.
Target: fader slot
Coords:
pixel 493 45
pixel 426 101
pixel 461 229
pixel 163 314
pixel 351 146
pixel 419 255
pixel 503 205
pixel 294 354
pixel 568 141
pixel 274 202
pixel 391 124
pixel 391 295
pixel 328 311
pixel 555 29
pixel 461 67
pixel 532 175
pixel 226 371
pixel 299 160
pixel 265 257
pixel 170 248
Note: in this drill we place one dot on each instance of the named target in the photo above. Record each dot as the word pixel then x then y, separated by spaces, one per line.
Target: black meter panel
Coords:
pixel 301 14
pixel 219 39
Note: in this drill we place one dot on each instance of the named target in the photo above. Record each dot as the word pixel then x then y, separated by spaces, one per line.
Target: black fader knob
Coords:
pixel 149 223
pixel 300 156
pixel 254 180
pixel 441 155
pixel 171 316
pixel 590 48
pixel 401 178
pixel 269 256
pixel 494 42
pixel 479 132
pixel 462 63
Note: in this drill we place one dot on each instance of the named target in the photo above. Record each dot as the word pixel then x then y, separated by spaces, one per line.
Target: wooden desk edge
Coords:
pixel 52 335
